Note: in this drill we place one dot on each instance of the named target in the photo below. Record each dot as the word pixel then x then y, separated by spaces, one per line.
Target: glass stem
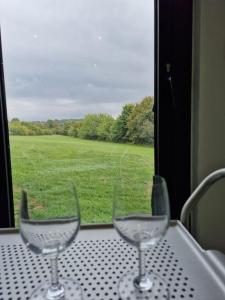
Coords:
pixel 141 263
pixel 142 282
pixel 56 290
pixel 54 272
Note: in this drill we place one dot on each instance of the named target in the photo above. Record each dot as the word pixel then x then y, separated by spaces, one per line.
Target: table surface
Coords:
pixel 98 258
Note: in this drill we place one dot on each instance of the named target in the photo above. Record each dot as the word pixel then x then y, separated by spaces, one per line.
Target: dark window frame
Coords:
pixel 173 82
pixel 173 67
pixel 6 193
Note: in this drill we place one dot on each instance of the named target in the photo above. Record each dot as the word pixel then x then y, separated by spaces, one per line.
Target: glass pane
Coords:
pixel 79 85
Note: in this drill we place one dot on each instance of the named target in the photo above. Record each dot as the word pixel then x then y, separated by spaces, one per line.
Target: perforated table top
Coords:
pixel 98 258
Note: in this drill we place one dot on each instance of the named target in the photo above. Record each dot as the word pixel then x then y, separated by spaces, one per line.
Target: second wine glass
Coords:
pixel 141 217
pixel 49 223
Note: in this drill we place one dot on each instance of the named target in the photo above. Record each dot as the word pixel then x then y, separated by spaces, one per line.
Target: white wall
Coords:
pixel 208 124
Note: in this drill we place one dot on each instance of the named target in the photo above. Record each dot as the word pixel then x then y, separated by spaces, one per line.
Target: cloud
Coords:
pixel 67 59
pixel 59 109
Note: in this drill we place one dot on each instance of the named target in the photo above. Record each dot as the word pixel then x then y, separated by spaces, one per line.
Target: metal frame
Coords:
pixel 173 82
pixel 6 193
pixel 186 213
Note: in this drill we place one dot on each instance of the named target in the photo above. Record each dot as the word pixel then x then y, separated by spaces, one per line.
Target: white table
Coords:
pixel 98 258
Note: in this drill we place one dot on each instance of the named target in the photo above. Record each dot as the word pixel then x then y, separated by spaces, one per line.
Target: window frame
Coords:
pixel 173 85
pixel 173 55
pixel 6 192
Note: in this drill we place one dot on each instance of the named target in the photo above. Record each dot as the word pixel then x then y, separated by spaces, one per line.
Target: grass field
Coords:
pixel 43 164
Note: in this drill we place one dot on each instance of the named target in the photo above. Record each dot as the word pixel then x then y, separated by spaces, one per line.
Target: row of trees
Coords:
pixel 133 125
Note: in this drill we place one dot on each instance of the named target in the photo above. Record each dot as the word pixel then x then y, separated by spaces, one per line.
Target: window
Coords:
pixel 173 43
pixel 75 75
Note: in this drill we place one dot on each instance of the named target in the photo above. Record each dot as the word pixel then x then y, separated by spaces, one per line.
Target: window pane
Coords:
pixel 79 84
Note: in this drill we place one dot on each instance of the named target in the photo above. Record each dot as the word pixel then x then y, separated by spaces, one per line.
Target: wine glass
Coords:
pixel 142 222
pixel 50 221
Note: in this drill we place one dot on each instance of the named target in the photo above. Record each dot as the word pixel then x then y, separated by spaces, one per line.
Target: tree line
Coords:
pixel 135 124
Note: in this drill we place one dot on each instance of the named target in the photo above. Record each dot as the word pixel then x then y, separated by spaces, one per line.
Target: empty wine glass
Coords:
pixel 50 221
pixel 142 223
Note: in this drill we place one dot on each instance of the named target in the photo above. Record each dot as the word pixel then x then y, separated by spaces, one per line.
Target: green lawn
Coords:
pixel 47 163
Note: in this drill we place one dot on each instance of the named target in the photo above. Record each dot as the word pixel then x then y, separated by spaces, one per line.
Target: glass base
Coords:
pixel 128 290
pixel 70 291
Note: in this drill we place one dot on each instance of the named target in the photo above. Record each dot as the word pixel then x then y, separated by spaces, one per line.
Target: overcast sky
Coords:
pixel 64 59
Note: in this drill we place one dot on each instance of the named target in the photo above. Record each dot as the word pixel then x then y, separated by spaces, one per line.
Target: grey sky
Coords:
pixel 63 59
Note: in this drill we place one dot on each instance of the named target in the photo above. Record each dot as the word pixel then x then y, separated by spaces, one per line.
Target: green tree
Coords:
pixel 147 133
pixel 50 124
pixel 54 126
pixel 66 127
pixel 105 127
pixel 18 129
pixel 15 120
pixel 97 127
pixel 89 126
pixel 74 128
pixel 121 127
pixel 140 123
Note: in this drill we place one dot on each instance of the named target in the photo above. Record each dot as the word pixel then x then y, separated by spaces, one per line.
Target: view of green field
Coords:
pixel 48 162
